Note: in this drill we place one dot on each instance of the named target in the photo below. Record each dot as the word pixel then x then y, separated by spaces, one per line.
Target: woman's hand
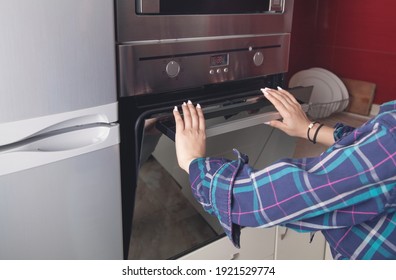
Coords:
pixel 294 120
pixel 190 134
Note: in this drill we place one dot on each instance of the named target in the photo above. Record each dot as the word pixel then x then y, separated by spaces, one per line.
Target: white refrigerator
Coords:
pixel 60 190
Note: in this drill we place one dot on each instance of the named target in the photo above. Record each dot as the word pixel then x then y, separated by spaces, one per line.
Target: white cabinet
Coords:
pixel 256 244
pixel 328 255
pixel 265 244
pixel 293 245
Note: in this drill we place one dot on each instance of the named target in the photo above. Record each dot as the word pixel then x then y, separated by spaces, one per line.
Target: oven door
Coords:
pixel 168 223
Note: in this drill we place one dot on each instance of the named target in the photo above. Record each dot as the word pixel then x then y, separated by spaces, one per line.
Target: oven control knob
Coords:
pixel 258 58
pixel 172 69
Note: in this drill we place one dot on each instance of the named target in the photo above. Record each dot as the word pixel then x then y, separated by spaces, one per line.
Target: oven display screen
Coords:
pixel 219 60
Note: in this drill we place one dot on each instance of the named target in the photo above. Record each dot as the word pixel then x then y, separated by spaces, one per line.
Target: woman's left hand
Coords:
pixel 294 120
pixel 190 134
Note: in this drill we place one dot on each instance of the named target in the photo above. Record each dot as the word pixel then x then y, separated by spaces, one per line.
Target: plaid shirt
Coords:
pixel 348 192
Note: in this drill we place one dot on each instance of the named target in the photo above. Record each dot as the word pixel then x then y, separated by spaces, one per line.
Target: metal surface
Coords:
pixel 60 171
pixel 134 27
pixel 64 210
pixel 56 56
pixel 153 68
pixel 147 6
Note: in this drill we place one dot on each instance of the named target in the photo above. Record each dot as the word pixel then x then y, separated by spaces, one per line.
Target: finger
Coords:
pixel 201 119
pixel 288 95
pixel 277 124
pixel 276 101
pixel 283 97
pixel 288 105
pixel 186 116
pixel 178 120
pixel 194 115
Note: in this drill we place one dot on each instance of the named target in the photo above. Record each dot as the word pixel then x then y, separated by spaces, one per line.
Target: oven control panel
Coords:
pixel 176 65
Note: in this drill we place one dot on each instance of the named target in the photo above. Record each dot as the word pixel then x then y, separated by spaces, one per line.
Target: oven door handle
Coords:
pixel 245 122
pixel 229 126
pixel 241 123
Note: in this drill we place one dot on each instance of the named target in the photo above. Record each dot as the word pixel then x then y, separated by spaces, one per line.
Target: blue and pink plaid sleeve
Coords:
pixel 351 183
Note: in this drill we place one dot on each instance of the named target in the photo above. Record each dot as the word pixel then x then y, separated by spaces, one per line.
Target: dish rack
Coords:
pixel 323 110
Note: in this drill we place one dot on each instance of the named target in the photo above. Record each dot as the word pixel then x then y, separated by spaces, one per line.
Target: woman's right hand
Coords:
pixel 294 120
pixel 190 137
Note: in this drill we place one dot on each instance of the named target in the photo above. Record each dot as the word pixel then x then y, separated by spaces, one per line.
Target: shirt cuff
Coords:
pixel 341 130
pixel 213 189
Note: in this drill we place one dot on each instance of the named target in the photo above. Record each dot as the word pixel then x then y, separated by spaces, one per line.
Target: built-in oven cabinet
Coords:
pixel 293 245
pixel 256 244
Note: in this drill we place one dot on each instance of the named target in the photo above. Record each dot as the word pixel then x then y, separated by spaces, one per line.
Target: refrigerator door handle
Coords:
pixel 57 145
pixel 17 131
pixel 68 139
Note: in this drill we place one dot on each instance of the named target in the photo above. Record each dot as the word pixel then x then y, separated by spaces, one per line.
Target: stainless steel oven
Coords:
pixel 219 53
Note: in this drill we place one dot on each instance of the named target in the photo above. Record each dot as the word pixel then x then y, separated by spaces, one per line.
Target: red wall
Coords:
pixel 354 39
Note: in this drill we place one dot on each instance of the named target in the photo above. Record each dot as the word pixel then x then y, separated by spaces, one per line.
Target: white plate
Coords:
pixel 325 90
pixel 344 91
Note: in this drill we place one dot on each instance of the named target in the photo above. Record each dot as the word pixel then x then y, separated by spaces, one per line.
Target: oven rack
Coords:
pixel 324 110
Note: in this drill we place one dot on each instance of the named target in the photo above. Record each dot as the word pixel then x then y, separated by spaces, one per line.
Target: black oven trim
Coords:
pixel 133 109
pixel 167 125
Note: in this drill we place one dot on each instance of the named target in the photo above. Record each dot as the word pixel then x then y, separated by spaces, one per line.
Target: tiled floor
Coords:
pixel 166 224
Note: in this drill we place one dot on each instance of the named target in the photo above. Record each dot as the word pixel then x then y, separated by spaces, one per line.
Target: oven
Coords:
pixel 218 54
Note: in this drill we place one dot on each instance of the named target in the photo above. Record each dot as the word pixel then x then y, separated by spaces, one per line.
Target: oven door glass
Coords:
pixel 168 222
pixel 204 7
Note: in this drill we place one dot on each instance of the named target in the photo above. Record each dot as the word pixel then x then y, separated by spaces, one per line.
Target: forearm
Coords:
pixel 293 190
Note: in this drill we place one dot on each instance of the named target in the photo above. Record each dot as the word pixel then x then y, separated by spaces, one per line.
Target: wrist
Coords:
pixel 186 165
pixel 313 131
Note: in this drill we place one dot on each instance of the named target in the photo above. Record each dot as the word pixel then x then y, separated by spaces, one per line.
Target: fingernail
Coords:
pixel 279 88
pixel 189 102
pixel 184 104
pixel 198 106
pixel 175 109
pixel 267 123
